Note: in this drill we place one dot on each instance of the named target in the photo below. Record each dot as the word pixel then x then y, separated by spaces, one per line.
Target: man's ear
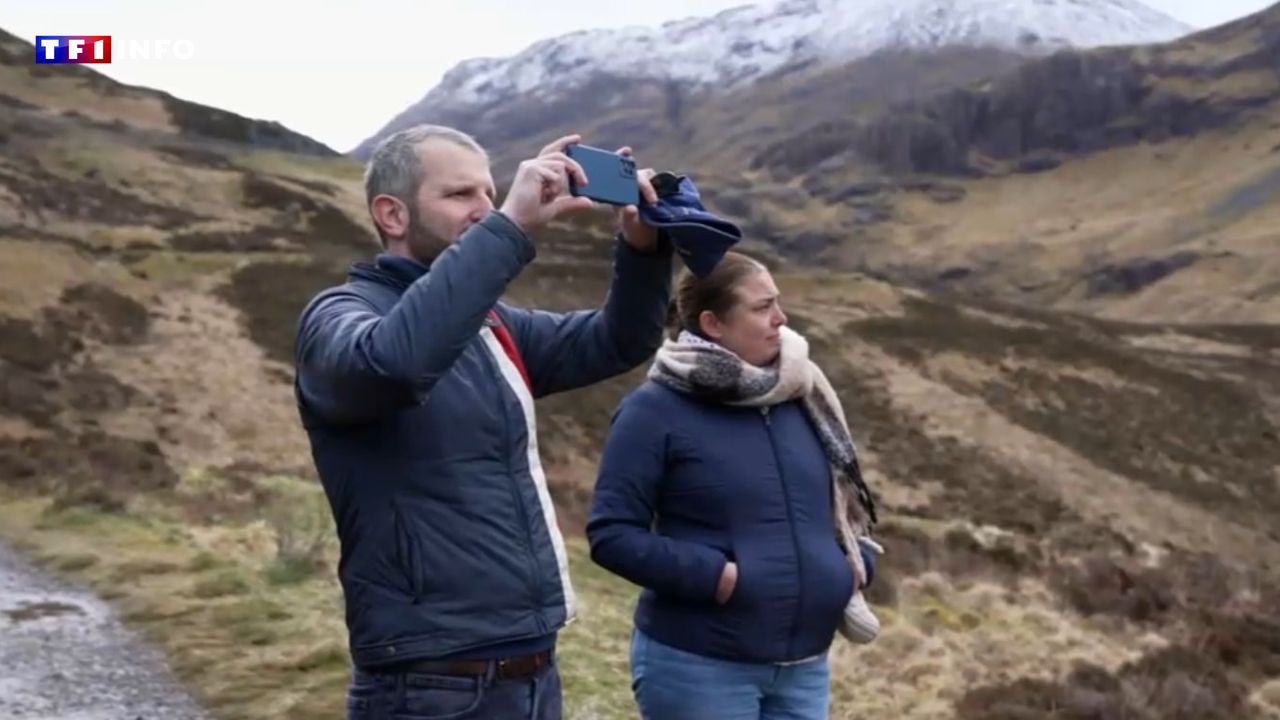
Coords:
pixel 391 215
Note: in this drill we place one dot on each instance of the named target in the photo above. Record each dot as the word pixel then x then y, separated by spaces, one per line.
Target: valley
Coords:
pixel 1054 326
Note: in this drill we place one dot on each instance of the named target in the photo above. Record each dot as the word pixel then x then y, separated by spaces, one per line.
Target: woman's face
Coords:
pixel 751 328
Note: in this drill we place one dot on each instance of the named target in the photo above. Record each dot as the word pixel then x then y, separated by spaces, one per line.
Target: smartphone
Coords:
pixel 611 178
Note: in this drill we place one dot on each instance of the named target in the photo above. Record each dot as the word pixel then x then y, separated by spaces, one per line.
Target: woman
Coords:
pixel 729 490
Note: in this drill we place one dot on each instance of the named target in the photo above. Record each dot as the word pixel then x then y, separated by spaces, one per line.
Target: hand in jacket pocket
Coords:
pixel 728 583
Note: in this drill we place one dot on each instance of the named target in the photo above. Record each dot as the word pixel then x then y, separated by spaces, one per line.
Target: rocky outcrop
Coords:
pixel 1073 102
pixel 204 121
pixel 1063 103
pixel 1133 276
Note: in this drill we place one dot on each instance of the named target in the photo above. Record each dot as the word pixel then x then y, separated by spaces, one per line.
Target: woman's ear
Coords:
pixel 711 325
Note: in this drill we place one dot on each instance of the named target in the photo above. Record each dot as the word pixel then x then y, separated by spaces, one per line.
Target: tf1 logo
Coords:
pixel 73 49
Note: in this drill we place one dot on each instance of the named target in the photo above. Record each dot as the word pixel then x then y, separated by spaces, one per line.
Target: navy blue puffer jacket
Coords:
pixel 686 486
pixel 423 433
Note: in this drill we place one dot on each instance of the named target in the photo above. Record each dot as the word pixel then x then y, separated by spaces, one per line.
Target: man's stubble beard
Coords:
pixel 424 245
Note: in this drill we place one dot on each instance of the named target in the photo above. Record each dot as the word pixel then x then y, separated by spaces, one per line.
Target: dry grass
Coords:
pixel 197 341
pixel 181 270
pixel 1143 437
pixel 139 169
pixel 1259 83
pixel 340 171
pixel 841 297
pixel 248 648
pixel 1173 342
pixel 1266 700
pixel 252 646
pixel 34 274
pixel 1036 236
pixel 64 94
pixel 302 526
pixel 944 638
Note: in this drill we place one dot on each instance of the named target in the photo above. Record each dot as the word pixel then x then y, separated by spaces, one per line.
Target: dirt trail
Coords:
pixel 65 656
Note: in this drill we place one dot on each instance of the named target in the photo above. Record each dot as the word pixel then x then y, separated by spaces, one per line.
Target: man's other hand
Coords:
pixel 638 235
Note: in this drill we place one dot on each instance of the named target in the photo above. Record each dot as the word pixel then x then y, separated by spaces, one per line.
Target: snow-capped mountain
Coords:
pixel 738 45
pixel 745 42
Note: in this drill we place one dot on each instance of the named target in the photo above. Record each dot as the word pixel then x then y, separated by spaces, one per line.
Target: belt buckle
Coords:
pixel 503 665
pixel 535 660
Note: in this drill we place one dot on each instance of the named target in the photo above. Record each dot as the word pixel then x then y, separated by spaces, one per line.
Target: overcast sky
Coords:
pixel 337 70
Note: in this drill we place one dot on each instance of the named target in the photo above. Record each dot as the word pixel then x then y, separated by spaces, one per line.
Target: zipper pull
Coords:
pixel 764 412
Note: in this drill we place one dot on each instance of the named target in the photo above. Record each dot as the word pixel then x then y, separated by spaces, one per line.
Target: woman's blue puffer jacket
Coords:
pixel 686 486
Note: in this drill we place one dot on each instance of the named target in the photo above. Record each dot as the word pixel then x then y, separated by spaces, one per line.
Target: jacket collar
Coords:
pixel 387 269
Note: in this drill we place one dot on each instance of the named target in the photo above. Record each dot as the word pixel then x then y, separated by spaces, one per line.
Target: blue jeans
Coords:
pixel 421 696
pixel 671 684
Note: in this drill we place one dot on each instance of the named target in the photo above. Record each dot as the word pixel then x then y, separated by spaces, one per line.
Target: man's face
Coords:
pixel 457 190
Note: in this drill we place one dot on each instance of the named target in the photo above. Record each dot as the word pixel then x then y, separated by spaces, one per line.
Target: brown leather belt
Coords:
pixel 524 666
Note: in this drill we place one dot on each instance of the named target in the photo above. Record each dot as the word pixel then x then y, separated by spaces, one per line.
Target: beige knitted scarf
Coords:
pixel 699 367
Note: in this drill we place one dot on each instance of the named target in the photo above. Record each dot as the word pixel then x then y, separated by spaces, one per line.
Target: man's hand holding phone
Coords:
pixel 620 184
pixel 554 183
pixel 539 191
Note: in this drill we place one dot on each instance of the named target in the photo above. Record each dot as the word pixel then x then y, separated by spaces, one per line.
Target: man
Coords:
pixel 416 388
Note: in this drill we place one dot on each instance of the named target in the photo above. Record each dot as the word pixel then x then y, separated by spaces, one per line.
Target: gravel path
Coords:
pixel 65 656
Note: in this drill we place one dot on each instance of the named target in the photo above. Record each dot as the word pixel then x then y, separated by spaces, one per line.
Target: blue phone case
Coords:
pixel 611 178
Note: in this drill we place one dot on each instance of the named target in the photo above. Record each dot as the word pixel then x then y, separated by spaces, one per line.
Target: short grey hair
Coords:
pixel 394 168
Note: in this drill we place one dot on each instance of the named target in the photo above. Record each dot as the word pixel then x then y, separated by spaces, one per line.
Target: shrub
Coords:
pixel 300 519
pixel 1103 585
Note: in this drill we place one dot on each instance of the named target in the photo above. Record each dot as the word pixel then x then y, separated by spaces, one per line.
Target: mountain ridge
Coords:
pixel 742 44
